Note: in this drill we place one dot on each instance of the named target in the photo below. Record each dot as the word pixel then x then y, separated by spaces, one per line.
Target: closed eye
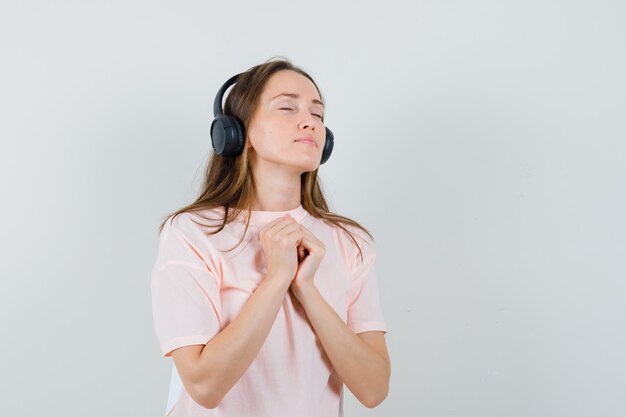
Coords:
pixel 288 108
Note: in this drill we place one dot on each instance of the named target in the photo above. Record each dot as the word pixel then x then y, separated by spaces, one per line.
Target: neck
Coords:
pixel 276 187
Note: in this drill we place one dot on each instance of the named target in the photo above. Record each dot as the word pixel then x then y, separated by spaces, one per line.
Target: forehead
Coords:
pixel 287 81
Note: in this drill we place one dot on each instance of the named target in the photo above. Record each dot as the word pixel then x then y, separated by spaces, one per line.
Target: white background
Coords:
pixel 482 142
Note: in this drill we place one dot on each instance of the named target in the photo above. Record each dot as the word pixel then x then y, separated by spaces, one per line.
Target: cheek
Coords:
pixel 268 135
pixel 256 134
pixel 262 138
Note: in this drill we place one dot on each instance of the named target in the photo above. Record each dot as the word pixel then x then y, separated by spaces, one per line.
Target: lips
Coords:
pixel 307 139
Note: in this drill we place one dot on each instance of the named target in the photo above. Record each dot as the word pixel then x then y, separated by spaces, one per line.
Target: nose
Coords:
pixel 307 121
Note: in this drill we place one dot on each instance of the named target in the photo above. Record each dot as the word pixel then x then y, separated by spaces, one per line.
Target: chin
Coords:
pixel 306 167
pixel 303 164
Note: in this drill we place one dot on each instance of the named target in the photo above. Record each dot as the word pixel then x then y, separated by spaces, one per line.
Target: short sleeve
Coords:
pixel 364 307
pixel 185 292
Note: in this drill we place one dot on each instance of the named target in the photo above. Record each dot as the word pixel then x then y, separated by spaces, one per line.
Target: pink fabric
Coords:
pixel 198 290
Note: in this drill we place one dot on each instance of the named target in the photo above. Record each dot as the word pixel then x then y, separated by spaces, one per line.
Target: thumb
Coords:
pixel 302 252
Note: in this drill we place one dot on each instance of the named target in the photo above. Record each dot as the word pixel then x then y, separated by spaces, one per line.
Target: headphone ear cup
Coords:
pixel 227 135
pixel 328 146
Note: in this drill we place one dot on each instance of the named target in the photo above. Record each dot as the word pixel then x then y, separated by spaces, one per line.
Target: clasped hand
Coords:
pixel 292 251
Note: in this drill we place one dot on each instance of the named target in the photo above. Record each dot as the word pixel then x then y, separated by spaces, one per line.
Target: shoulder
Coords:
pixel 352 235
pixel 186 239
pixel 187 231
pixel 365 253
pixel 350 240
pixel 193 223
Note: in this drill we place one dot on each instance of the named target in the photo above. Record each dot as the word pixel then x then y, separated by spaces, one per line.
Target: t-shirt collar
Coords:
pixel 260 218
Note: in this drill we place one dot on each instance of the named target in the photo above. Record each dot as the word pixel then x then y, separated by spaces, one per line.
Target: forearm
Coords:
pixel 229 354
pixel 364 371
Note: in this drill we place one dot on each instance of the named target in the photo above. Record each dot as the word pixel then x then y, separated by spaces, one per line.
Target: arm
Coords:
pixel 210 371
pixel 361 360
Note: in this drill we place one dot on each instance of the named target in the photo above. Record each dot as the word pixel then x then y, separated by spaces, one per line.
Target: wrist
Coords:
pixel 277 281
pixel 305 292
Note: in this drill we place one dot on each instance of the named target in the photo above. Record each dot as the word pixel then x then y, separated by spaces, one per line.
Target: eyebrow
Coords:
pixel 293 95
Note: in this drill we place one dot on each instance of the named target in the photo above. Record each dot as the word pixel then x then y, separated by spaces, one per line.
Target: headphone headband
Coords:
pixel 217 104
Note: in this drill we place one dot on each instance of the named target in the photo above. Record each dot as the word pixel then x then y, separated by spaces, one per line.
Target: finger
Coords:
pixel 311 237
pixel 295 234
pixel 286 228
pixel 313 245
pixel 278 224
pixel 308 233
pixel 301 252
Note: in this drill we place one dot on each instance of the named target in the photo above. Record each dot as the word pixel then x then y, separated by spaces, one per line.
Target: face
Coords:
pixel 287 129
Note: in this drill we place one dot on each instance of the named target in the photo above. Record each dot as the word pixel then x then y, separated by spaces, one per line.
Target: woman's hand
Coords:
pixel 311 251
pixel 279 241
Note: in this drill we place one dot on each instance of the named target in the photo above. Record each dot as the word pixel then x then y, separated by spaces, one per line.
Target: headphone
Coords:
pixel 228 134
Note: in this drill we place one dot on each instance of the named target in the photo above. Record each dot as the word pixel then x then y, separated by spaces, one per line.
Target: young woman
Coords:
pixel 266 301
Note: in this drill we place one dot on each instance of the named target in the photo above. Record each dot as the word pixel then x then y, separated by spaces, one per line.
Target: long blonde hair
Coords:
pixel 228 181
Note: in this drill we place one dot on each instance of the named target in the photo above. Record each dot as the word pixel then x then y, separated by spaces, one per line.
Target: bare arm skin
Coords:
pixel 362 360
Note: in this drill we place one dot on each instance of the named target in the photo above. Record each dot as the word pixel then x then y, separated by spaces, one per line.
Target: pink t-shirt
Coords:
pixel 198 290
